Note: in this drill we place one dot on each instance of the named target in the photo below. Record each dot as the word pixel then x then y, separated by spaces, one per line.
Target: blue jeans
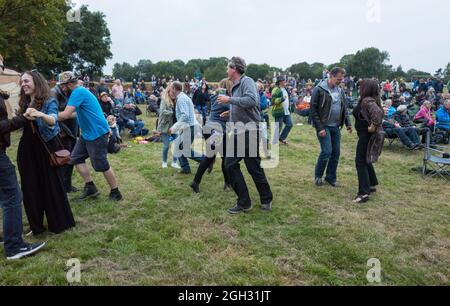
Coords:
pixel 287 120
pixel 408 136
pixel 201 109
pixel 330 154
pixel 118 102
pixel 136 128
pixel 11 203
pixel 184 163
pixel 166 146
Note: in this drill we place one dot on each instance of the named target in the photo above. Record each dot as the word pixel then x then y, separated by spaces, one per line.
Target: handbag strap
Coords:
pixel 36 131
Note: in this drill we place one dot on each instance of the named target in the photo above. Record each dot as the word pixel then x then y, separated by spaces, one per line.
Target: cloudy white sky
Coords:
pixel 280 33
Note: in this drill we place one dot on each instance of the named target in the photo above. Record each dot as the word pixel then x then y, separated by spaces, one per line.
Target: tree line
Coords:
pixel 369 62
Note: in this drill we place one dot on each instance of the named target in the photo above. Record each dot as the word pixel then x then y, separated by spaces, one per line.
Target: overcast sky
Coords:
pixel 280 33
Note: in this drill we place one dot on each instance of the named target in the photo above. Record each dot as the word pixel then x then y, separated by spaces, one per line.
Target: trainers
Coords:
pixel 115 195
pixel 175 166
pixel 319 182
pixel 90 191
pixel 266 207
pixel 239 209
pixel 332 184
pixel 26 250
pixel 195 187
pixel 164 165
pixel 185 171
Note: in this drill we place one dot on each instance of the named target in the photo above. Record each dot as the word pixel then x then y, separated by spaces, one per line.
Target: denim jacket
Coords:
pixel 50 108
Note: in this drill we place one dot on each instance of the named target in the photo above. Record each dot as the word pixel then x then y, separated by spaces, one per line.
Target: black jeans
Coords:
pixel 366 173
pixel 253 165
pixel 207 161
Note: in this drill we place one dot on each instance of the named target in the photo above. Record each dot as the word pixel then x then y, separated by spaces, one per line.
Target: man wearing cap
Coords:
pixel 245 110
pixel 69 130
pixel 280 111
pixel 94 139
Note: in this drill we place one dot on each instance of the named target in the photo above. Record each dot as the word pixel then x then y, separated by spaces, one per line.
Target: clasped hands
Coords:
pixel 32 114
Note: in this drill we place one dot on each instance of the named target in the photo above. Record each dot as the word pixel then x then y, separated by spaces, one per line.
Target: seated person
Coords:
pixel 115 140
pixel 391 109
pixel 107 104
pixel 425 116
pixel 128 98
pixel 443 117
pixel 153 104
pixel 128 115
pixel 140 97
pixel 303 106
pixel 404 128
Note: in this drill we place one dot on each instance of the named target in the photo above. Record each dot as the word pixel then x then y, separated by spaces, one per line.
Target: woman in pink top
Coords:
pixel 117 92
pixel 425 114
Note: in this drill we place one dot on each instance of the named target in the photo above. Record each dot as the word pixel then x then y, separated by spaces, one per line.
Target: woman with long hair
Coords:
pixel 215 133
pixel 165 122
pixel 42 184
pixel 369 118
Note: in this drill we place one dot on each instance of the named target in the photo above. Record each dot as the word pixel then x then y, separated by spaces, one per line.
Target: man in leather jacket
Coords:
pixel 329 114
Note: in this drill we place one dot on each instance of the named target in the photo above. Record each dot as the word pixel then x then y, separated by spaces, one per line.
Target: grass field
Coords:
pixel 162 234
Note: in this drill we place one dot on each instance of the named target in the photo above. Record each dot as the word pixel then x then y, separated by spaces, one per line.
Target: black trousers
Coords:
pixel 207 161
pixel 366 173
pixel 67 170
pixel 253 165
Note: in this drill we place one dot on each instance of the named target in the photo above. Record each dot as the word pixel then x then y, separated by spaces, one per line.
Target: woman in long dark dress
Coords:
pixel 42 184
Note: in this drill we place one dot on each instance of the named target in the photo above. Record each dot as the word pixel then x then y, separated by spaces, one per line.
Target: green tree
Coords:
pixel 258 71
pixel 413 73
pixel 216 73
pixel 87 45
pixel 398 73
pixel 32 31
pixel 125 71
pixel 303 70
pixel 367 63
pixel 317 71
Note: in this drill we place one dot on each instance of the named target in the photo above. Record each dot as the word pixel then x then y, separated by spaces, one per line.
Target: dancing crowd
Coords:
pixel 64 126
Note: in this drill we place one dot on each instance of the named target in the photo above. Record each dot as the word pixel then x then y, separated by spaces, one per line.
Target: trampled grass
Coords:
pixel 162 234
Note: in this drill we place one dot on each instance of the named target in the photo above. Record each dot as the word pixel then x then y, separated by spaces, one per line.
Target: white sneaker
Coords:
pixel 164 165
pixel 175 166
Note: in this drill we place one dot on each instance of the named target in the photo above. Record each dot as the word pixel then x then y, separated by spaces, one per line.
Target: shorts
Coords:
pixel 96 150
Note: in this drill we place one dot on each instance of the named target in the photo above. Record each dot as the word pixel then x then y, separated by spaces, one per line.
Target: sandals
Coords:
pixel 361 199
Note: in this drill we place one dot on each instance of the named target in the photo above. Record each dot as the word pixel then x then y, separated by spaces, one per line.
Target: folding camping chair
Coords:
pixel 436 161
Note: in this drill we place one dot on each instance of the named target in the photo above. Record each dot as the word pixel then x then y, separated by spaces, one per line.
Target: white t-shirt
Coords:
pixel 286 102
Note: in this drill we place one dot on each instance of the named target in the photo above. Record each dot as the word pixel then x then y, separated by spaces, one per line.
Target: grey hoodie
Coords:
pixel 336 106
pixel 244 103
